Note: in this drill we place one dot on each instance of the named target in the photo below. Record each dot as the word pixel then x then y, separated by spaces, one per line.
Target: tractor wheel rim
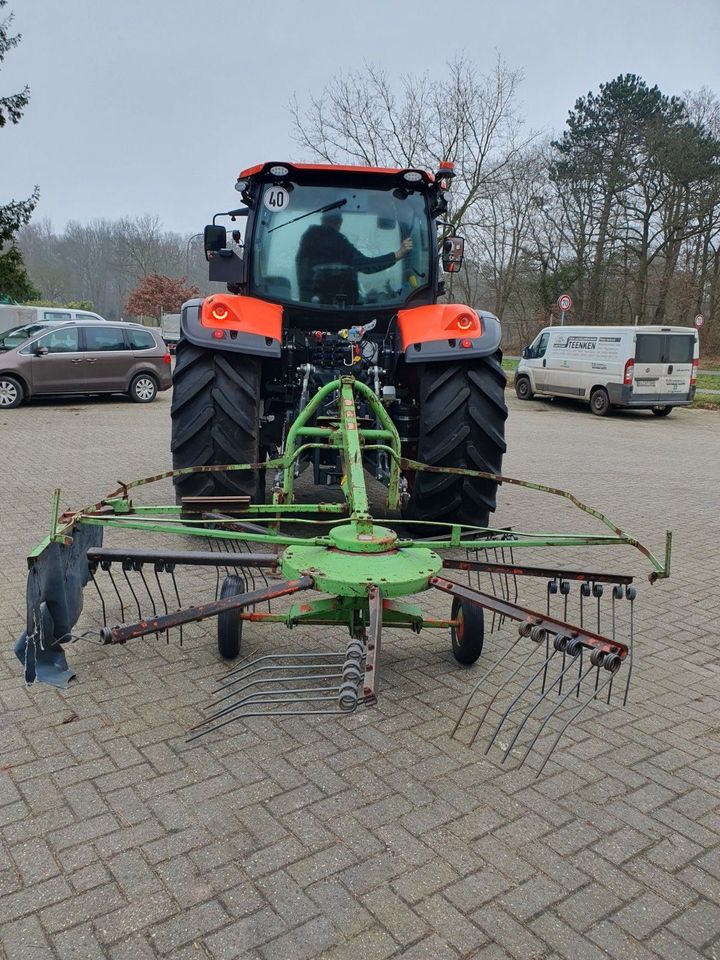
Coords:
pixel 144 388
pixel 8 393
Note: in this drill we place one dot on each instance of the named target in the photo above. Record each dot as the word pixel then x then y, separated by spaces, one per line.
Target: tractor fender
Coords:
pixel 447 331
pixel 233 323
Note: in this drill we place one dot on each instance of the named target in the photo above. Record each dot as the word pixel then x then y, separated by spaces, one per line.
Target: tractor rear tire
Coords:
pixel 462 413
pixel 215 420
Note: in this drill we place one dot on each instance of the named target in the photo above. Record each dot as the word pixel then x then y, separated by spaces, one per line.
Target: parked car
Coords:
pixel 18 315
pixel 82 358
pixel 648 367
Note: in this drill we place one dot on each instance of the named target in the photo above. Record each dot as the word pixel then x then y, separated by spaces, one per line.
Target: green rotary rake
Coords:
pixel 367 574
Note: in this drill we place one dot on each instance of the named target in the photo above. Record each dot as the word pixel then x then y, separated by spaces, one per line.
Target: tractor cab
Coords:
pixel 321 239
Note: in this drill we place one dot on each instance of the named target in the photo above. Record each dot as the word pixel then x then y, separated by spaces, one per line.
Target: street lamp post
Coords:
pixel 187 252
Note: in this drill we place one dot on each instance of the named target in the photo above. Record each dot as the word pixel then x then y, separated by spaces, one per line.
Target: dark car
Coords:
pixel 82 358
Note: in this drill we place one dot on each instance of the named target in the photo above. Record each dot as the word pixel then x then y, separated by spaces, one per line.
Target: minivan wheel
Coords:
pixel 661 411
pixel 523 388
pixel 11 392
pixel 143 388
pixel 600 402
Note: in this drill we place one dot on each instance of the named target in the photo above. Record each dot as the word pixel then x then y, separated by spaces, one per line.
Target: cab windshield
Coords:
pixel 16 336
pixel 340 247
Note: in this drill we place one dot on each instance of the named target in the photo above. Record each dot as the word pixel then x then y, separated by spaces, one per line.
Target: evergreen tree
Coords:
pixel 15 213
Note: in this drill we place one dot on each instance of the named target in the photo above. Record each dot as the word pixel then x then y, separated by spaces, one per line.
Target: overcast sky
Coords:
pixel 154 106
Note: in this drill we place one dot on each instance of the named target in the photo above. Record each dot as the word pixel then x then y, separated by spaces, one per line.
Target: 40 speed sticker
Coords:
pixel 276 199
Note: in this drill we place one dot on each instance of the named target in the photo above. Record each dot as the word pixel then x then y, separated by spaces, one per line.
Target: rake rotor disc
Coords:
pixel 351 566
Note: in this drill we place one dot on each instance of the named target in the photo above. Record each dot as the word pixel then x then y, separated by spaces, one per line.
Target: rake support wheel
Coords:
pixel 468 636
pixel 229 624
pixel 215 420
pixel 461 424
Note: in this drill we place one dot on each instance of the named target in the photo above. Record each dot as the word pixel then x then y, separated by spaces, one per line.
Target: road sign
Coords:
pixel 565 302
pixel 699 320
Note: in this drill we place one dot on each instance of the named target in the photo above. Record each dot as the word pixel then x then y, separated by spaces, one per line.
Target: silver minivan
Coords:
pixel 82 358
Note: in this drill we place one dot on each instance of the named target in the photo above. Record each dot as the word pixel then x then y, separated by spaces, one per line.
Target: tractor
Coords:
pixel 339 273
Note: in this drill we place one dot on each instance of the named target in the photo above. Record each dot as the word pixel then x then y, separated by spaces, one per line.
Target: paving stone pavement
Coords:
pixel 376 835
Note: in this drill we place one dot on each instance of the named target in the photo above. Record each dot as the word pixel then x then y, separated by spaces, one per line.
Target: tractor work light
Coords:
pixel 279 171
pixel 240 185
pixel 412 176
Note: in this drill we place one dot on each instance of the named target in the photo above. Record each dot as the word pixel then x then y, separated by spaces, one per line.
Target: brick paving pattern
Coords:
pixel 376 835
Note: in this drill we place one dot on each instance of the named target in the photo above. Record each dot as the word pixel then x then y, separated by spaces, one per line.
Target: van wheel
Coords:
pixel 661 411
pixel 143 388
pixel 523 388
pixel 600 402
pixel 11 392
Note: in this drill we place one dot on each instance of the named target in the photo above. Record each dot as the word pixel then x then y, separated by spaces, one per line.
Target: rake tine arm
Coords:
pixel 370 684
pixel 249 662
pixel 549 573
pixel 515 612
pixel 130 631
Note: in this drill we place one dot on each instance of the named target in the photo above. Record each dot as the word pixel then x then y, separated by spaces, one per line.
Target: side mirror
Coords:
pixel 526 353
pixel 215 238
pixel 453 252
pixel 41 351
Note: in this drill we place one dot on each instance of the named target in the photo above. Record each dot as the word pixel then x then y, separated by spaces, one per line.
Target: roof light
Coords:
pixel 412 176
pixel 446 165
pixel 279 171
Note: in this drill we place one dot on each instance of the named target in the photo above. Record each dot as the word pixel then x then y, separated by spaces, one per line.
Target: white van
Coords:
pixel 647 367
pixel 17 315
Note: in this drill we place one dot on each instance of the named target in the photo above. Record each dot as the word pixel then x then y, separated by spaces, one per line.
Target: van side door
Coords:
pixel 56 363
pixel 536 360
pixel 108 358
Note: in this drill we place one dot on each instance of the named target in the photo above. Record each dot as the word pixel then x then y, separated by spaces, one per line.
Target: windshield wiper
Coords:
pixel 326 209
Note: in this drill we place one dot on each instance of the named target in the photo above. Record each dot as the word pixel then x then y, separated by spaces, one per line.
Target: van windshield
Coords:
pixel 16 336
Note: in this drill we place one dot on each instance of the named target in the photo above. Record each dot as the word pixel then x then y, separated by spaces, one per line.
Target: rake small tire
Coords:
pixel 469 634
pixel 230 624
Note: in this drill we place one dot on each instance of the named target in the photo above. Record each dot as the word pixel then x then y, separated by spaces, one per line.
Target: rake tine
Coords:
pixel 529 714
pixel 515 672
pixel 481 681
pixel 505 715
pixel 280 713
pixel 572 719
pixel 102 599
pixel 139 568
pixel 631 638
pixel 551 714
pixel 159 565
pixel 269 693
pixel 250 683
pixel 279 656
pixel 171 570
pixel 115 588
pixel 125 568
